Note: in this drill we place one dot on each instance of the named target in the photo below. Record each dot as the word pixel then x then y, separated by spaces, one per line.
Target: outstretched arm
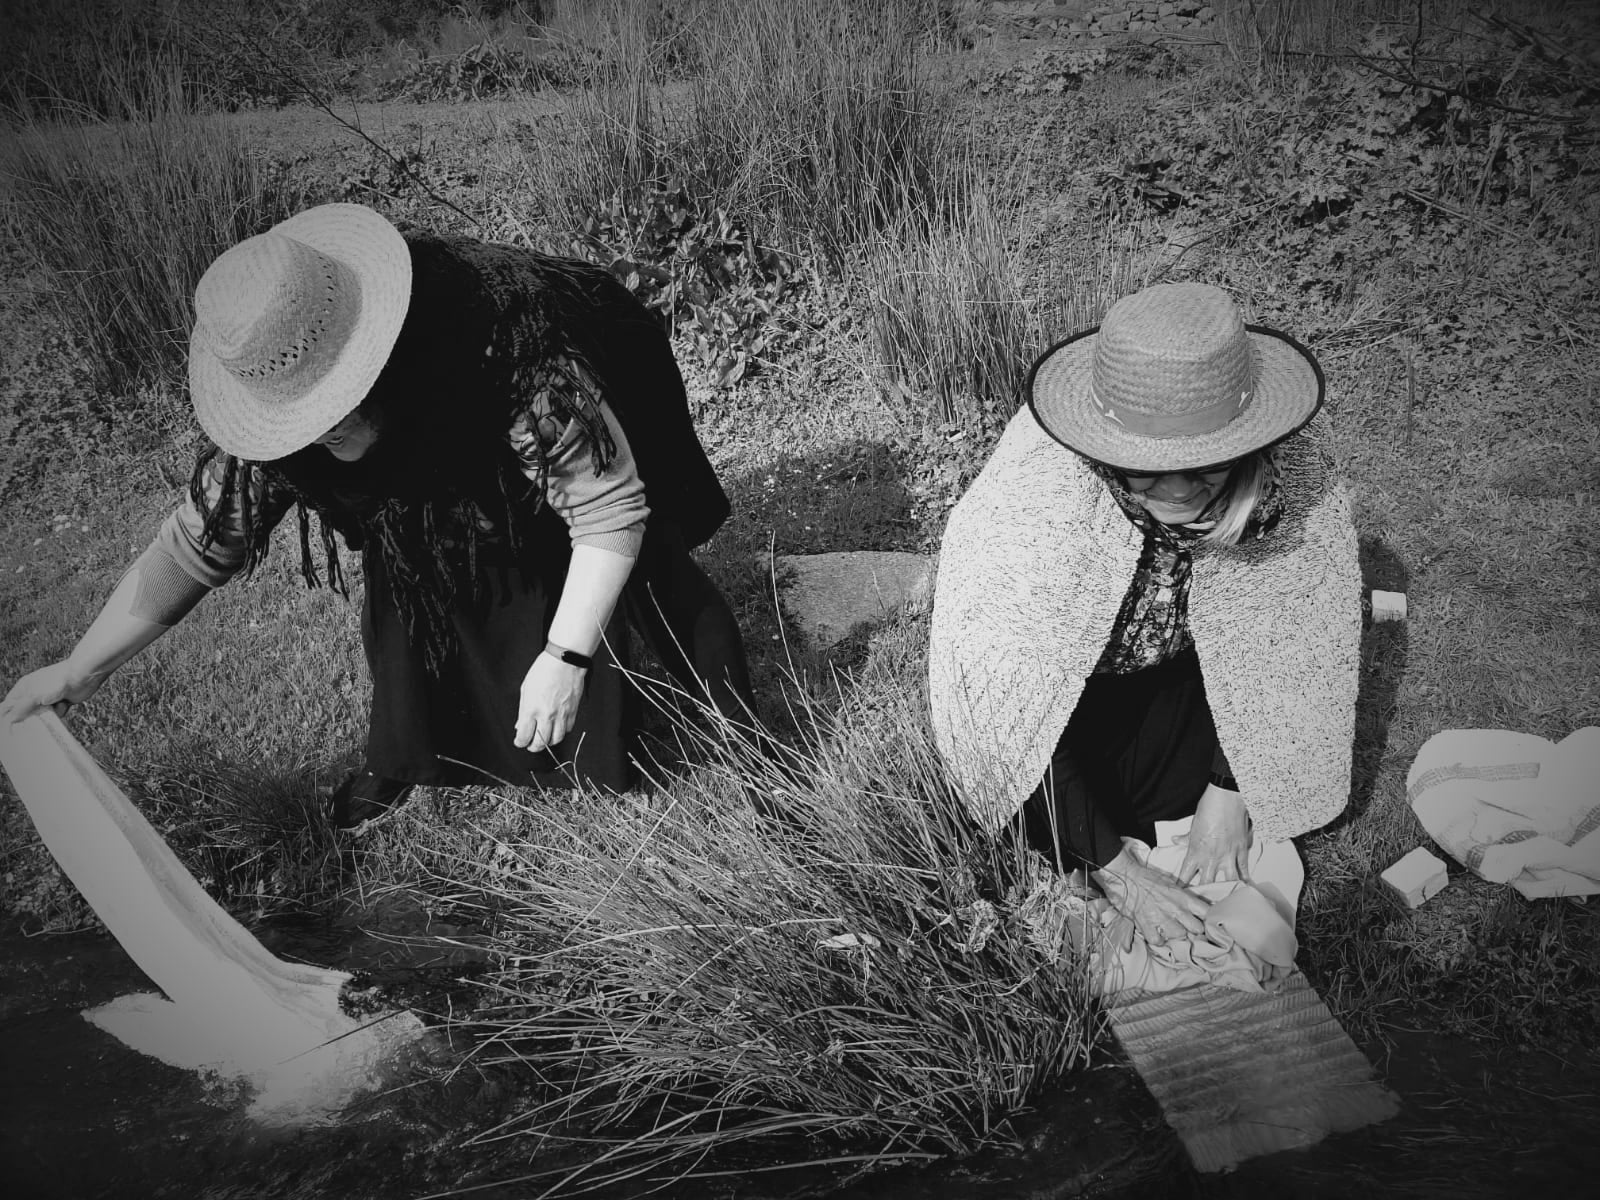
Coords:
pixel 154 594
pixel 116 635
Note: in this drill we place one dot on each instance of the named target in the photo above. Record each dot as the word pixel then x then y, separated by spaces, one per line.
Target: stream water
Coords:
pixel 82 1116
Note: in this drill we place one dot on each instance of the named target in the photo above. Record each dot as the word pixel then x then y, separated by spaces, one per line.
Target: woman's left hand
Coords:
pixel 551 692
pixel 1219 839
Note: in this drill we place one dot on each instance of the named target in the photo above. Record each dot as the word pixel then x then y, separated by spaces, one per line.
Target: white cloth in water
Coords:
pixel 1248 943
pixel 1514 807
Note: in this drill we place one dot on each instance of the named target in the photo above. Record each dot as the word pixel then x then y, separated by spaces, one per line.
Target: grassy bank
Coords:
pixel 853 316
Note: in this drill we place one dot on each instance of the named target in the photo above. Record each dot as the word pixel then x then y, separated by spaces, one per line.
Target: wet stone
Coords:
pixel 830 596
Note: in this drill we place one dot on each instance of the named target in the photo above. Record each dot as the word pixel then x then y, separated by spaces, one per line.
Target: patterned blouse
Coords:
pixel 1153 623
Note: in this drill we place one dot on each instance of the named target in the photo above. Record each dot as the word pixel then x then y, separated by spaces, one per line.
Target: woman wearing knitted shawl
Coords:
pixel 505 438
pixel 1148 606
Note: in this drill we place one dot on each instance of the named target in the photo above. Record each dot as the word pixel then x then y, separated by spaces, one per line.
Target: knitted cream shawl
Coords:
pixel 1035 563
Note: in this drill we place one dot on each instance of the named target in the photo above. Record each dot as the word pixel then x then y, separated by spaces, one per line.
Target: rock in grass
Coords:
pixel 830 596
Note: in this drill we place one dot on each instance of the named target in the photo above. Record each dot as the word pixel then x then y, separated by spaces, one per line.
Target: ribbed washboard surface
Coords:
pixel 1240 1074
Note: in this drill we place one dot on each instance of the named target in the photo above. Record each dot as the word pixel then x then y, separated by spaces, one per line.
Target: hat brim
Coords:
pixel 375 252
pixel 1288 390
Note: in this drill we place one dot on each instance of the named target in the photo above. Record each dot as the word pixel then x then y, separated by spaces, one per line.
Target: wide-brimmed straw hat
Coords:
pixel 292 327
pixel 1174 380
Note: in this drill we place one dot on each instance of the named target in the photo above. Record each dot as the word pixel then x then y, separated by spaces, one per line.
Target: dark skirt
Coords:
pixel 1140 748
pixel 457 727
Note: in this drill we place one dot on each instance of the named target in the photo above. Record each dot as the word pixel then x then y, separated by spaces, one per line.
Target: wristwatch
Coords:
pixel 570 657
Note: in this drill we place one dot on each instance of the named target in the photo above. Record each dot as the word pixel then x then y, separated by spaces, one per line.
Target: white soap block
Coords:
pixel 1416 877
pixel 1388 606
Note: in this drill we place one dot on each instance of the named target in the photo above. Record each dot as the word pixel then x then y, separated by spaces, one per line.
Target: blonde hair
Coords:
pixel 1246 485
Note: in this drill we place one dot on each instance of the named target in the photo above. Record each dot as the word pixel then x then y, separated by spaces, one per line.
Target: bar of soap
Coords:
pixel 1388 606
pixel 1416 877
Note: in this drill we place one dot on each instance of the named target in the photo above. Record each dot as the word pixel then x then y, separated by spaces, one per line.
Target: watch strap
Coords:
pixel 570 657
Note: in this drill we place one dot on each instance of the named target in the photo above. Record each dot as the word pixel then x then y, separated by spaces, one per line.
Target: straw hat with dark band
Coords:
pixel 293 326
pixel 1173 380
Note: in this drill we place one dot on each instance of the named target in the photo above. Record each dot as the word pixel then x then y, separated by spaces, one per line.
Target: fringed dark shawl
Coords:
pixel 493 333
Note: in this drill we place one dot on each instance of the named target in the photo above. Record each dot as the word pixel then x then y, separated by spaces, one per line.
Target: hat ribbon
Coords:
pixel 1166 425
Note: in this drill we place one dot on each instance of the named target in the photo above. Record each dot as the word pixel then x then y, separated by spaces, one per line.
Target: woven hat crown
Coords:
pixel 293 326
pixel 1173 380
pixel 1173 361
pixel 276 314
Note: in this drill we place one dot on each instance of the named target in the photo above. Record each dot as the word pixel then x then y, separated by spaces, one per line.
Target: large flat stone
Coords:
pixel 830 596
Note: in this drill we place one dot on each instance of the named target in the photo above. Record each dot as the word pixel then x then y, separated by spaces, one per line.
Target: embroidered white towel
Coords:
pixel 1514 807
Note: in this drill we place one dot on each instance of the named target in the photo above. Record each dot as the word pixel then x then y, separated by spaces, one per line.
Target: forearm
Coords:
pixel 594 582
pixel 115 635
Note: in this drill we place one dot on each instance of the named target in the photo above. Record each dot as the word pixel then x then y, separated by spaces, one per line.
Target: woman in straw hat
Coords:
pixel 1148 606
pixel 504 436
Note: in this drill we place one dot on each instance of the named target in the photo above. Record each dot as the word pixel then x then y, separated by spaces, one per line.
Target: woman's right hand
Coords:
pixel 57 686
pixel 1152 901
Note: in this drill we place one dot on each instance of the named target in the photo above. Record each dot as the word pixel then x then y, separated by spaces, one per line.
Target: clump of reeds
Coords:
pixel 835 974
pixel 124 214
pixel 815 120
pixel 953 322
pixel 812 124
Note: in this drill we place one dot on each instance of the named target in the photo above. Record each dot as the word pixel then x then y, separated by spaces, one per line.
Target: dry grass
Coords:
pixel 812 125
pixel 125 215
pixel 685 977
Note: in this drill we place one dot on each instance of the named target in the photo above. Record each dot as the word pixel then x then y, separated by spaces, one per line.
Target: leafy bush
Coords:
pixel 706 275
pixel 481 70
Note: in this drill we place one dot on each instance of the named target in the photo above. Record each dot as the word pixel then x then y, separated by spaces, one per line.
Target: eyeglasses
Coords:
pixel 1208 473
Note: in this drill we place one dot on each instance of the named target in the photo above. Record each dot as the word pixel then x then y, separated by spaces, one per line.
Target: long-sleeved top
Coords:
pixel 606 510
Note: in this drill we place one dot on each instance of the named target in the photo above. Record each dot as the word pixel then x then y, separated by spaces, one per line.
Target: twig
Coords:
pixel 295 84
pixel 1458 214
pixel 1446 89
pixel 1488 163
pixel 1411 393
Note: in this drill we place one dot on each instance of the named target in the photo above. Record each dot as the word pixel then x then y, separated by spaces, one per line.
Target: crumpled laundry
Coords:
pixel 1514 807
pixel 1248 942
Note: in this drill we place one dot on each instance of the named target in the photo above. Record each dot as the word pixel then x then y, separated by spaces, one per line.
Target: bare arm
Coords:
pixel 605 515
pixel 552 688
pixel 115 636
pixel 154 594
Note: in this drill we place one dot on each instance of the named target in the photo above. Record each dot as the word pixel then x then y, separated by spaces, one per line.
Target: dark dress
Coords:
pixel 464 561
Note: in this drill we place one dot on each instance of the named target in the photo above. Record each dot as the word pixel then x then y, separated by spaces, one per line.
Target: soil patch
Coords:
pixel 82 1116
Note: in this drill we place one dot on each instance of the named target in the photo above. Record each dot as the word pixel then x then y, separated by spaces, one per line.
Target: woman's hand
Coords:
pixel 551 692
pixel 57 686
pixel 1149 900
pixel 1219 839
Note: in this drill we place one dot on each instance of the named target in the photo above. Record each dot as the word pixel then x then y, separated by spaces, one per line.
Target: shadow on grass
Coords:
pixel 1384 652
pixel 852 496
